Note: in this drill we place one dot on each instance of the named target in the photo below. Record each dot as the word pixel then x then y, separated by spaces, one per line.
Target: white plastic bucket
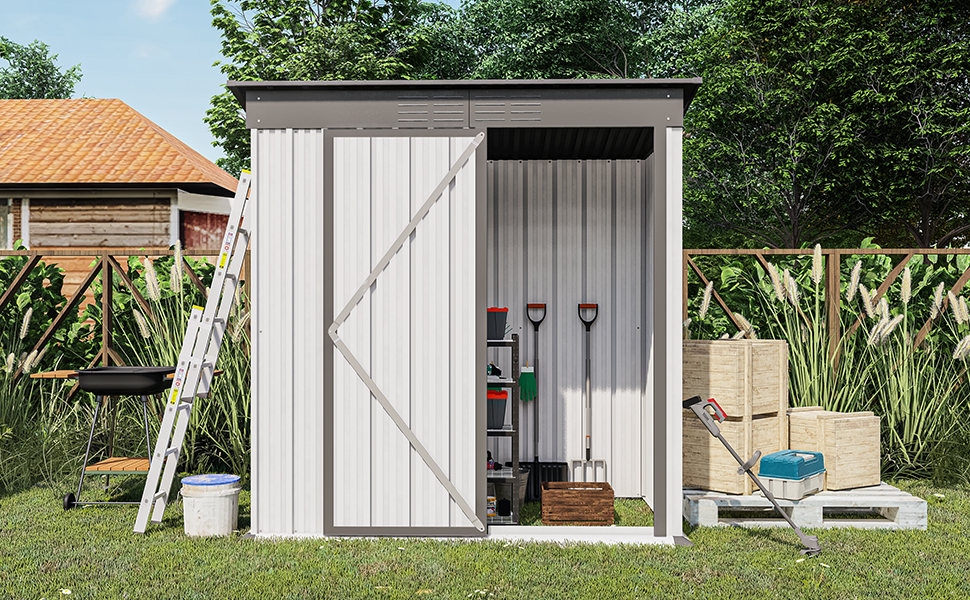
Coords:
pixel 211 504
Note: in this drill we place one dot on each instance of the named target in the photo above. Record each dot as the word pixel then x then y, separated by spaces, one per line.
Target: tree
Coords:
pixel 917 111
pixel 828 120
pixel 32 73
pixel 313 40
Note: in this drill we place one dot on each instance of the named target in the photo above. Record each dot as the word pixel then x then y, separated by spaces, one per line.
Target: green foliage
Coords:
pixel 819 119
pixel 560 39
pixel 31 72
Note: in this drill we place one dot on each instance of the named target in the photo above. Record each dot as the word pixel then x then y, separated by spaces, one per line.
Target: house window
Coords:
pixel 6 225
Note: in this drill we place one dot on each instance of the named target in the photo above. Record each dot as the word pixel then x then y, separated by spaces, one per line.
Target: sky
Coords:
pixel 154 55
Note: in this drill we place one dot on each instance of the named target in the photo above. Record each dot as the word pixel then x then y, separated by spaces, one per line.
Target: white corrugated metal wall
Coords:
pixel 562 233
pixel 288 332
pixel 414 332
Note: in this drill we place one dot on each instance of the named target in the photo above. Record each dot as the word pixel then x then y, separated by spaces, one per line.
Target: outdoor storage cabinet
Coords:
pixel 372 273
pixel 848 441
pixel 749 381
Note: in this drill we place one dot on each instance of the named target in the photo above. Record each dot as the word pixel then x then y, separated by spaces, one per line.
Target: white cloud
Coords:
pixel 154 9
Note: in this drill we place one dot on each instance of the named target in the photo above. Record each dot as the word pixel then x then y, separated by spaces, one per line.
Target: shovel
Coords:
pixel 588 463
pixel 697 404
pixel 535 483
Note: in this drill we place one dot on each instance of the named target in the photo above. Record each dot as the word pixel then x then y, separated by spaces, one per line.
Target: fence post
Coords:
pixel 107 289
pixel 833 298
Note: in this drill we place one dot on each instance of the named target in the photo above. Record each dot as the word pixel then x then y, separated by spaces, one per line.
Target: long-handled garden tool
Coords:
pixel 588 463
pixel 530 391
pixel 697 404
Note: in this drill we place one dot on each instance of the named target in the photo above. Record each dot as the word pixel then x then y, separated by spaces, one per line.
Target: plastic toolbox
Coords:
pixel 792 474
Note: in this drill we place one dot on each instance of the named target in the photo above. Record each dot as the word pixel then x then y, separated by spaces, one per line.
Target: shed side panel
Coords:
pixel 307 253
pixel 273 333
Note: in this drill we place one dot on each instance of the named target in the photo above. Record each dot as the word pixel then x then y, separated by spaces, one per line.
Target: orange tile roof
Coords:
pixel 94 141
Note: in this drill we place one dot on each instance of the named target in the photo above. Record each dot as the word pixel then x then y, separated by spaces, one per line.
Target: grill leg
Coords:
pixel 144 410
pixel 87 453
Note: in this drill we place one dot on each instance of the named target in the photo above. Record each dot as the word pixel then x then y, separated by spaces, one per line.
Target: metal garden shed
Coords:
pixel 389 215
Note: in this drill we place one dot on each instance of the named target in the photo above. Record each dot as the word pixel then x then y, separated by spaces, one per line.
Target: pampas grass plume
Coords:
pixel 142 324
pixel 29 361
pixel 854 281
pixel 867 301
pixel 884 307
pixel 891 326
pixel 791 287
pixel 705 302
pixel 175 279
pixel 776 282
pixel 8 365
pixel 875 335
pixel 817 264
pixel 151 282
pixel 26 324
pixel 962 349
pixel 907 288
pixel 745 324
pixel 955 305
pixel 937 305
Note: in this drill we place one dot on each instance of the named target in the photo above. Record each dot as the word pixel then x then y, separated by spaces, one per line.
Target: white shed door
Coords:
pixel 404 427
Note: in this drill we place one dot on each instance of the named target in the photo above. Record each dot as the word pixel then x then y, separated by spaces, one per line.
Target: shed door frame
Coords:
pixel 330 313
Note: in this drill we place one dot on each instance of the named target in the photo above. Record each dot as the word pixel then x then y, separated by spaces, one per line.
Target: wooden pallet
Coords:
pixel 877 507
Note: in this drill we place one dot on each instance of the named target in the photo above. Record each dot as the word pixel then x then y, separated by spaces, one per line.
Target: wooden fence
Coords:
pixel 832 280
pixel 106 262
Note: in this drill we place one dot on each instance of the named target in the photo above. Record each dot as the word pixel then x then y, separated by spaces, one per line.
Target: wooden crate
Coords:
pixel 571 503
pixel 707 463
pixel 746 377
pixel 849 443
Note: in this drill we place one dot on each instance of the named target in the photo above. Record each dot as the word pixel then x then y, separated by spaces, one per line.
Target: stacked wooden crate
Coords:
pixel 749 380
pixel 849 443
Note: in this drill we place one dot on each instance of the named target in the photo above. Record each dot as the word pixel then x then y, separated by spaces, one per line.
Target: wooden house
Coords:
pixel 79 174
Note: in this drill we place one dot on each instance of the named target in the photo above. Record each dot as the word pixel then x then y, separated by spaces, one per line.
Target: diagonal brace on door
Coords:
pixel 359 369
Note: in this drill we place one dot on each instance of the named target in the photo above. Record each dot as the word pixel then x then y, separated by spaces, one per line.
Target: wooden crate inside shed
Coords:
pixel 573 503
pixel 707 463
pixel 849 443
pixel 746 377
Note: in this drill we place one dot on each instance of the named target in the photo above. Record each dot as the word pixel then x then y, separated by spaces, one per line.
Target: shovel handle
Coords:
pixel 596 310
pixel 530 307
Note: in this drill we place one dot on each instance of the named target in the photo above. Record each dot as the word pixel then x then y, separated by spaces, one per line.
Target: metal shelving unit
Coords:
pixel 510 476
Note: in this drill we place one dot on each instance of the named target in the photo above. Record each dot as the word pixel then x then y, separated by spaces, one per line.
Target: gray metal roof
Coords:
pixel 590 86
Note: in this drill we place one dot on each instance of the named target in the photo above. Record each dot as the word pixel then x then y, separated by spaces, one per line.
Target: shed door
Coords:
pixel 407 305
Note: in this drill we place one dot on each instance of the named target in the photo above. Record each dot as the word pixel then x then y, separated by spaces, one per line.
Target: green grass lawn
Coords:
pixel 93 553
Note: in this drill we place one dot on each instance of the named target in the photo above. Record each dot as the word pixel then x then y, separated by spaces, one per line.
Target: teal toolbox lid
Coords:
pixel 791 464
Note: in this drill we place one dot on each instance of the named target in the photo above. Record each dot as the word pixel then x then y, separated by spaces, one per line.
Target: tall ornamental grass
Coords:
pixel 218 433
pixel 919 392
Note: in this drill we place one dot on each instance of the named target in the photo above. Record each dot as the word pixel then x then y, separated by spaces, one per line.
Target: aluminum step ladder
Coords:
pixel 197 359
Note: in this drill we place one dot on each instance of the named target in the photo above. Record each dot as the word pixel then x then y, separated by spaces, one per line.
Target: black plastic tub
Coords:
pixel 125 381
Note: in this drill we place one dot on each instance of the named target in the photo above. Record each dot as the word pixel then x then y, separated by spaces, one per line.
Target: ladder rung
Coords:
pixel 173 450
pixel 159 495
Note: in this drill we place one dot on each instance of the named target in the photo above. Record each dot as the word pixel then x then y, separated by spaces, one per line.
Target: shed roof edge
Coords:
pixel 239 88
